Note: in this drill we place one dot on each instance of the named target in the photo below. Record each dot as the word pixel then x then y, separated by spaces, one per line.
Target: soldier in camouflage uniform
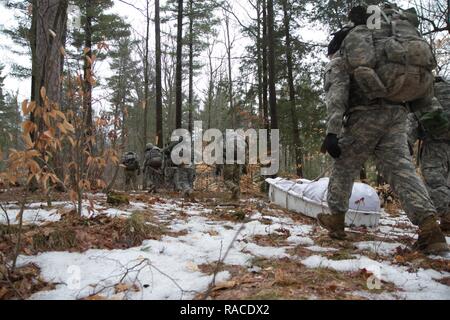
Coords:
pixel 232 177
pixel 131 171
pixel 434 155
pixel 179 177
pixel 358 128
pixel 232 172
pixel 153 171
pixel 183 179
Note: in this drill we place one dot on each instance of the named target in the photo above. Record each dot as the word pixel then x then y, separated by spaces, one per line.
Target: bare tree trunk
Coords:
pixel 191 67
pixel 272 73
pixel 230 76
pixel 87 83
pixel 210 86
pixel 259 62
pixel 294 120
pixel 47 32
pixel 146 74
pixel 264 68
pixel 179 71
pixel 159 128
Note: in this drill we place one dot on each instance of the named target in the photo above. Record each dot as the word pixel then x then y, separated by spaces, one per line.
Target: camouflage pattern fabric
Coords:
pixel 371 130
pixel 232 179
pixel 183 179
pixel 337 84
pixel 435 167
pixel 434 156
pixel 131 179
pixel 441 102
pixel 153 179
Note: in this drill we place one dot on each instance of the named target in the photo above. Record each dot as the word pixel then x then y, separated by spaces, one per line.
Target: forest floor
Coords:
pixel 206 247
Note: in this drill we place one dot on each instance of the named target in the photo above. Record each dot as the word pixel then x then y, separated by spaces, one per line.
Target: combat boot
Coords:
pixel 445 223
pixel 431 239
pixel 334 223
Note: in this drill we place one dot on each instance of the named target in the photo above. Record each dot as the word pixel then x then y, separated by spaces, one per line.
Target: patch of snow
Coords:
pixel 321 249
pixel 421 285
pixel 301 241
pixel 160 276
pixel 30 216
pixel 379 247
pixel 177 257
pixel 265 252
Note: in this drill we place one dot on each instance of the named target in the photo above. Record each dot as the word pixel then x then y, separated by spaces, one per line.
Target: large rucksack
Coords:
pixel 153 158
pixel 393 62
pixel 130 161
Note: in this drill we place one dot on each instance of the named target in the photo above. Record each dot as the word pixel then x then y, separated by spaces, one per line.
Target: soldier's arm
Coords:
pixel 337 87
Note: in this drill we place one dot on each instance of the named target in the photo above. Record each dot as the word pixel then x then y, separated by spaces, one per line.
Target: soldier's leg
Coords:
pixel 182 181
pixel 229 180
pixel 237 182
pixel 134 180
pixel 233 187
pixel 357 144
pixel 435 167
pixel 151 180
pixel 395 162
pixel 127 180
pixel 144 179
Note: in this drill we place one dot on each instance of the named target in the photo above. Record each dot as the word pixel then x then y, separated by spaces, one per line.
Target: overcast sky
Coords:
pixel 241 8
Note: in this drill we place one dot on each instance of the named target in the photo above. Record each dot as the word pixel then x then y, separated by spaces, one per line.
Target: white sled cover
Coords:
pixel 309 198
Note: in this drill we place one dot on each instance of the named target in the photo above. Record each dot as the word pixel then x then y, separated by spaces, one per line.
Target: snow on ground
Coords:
pixel 379 247
pixel 394 227
pixel 39 213
pixel 205 242
pixel 31 215
pixel 169 268
pixel 418 285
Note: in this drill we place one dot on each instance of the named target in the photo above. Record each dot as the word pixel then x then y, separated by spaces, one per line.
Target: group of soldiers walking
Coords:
pixel 379 87
pixel 159 172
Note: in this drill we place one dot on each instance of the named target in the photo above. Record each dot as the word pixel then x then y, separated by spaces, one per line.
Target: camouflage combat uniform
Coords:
pixel 370 128
pixel 153 178
pixel 178 177
pixel 153 173
pixel 183 179
pixel 131 174
pixel 130 179
pixel 434 154
pixel 232 179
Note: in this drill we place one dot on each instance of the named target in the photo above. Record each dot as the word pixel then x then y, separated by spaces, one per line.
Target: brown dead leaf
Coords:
pixel 3 292
pixel 399 259
pixel 96 297
pixel 121 287
pixel 225 285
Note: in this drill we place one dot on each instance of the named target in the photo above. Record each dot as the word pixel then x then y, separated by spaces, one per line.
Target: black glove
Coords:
pixel 331 145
